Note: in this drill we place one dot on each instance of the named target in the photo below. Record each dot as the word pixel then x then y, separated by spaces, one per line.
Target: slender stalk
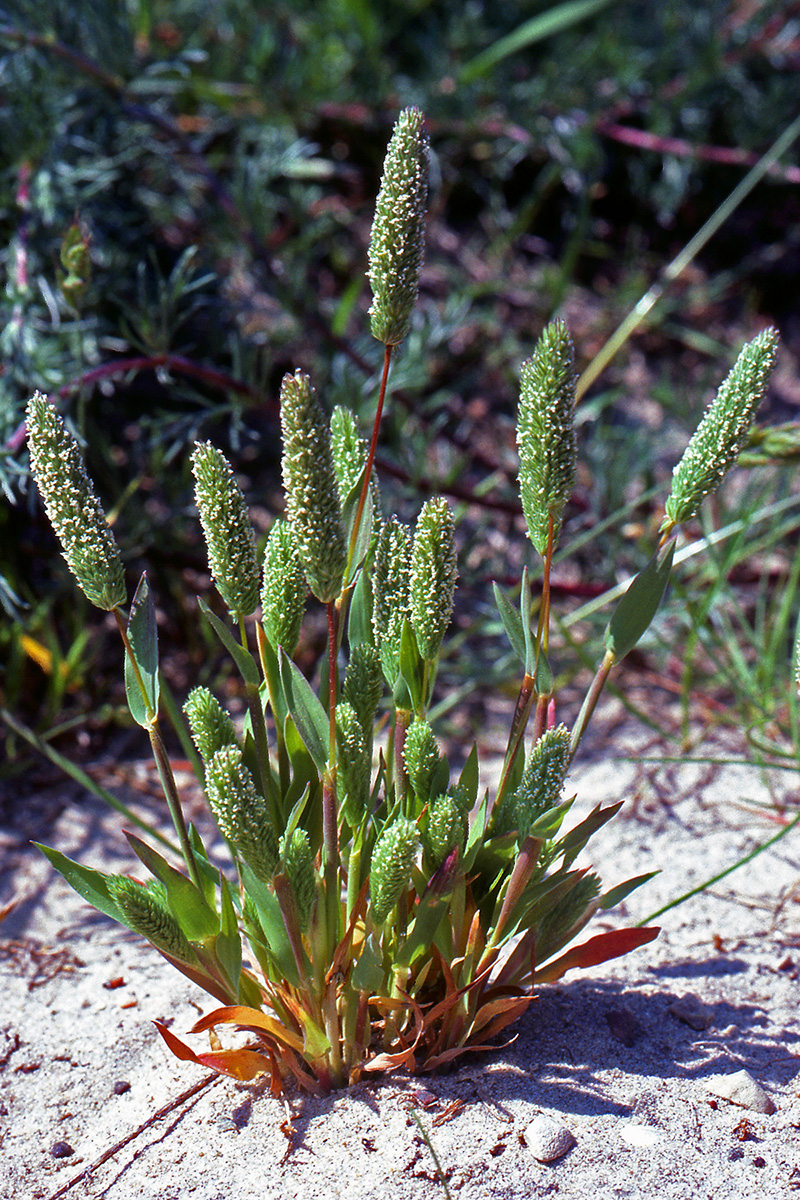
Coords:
pixel 517 732
pixel 590 701
pixel 174 803
pixel 259 729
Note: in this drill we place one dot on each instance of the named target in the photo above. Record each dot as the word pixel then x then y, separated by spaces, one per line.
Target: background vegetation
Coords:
pixel 218 166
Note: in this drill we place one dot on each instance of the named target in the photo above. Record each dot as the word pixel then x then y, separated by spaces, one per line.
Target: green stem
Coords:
pixel 174 803
pixel 259 729
pixel 590 701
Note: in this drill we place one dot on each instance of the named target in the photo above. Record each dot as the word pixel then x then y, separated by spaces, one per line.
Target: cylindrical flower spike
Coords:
pixel 150 917
pixel 392 860
pixel 545 435
pixel 226 525
pixel 73 508
pixel 432 577
pixel 719 437
pixel 363 684
pixel 543 779
pixel 390 594
pixel 349 456
pixel 446 829
pixel 242 815
pixel 352 764
pixel 421 756
pixel 312 494
pixel 298 861
pixel 283 592
pixel 210 725
pixel 397 242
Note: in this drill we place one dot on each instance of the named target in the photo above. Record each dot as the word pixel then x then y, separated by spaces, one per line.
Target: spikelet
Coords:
pixel 283 591
pixel 240 812
pixel 298 864
pixel 148 915
pixel 349 451
pixel 363 684
pixel 73 508
pixel 421 757
pixel 719 437
pixel 446 829
pixel 352 764
pixel 397 242
pixel 312 494
pixel 392 860
pixel 210 725
pixel 230 540
pixel 545 435
pixel 432 575
pixel 390 594
pixel 542 780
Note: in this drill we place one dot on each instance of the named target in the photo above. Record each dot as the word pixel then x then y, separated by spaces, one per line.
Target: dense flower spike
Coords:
pixel 390 594
pixel 298 863
pixel 312 493
pixel 230 540
pixel 283 591
pixel 397 242
pixel 363 684
pixel 349 457
pixel 149 916
pixel 392 860
pixel 545 435
pixel 421 756
pixel 73 508
pixel 432 577
pixel 543 778
pixel 447 828
pixel 210 725
pixel 719 437
pixel 352 765
pixel 242 815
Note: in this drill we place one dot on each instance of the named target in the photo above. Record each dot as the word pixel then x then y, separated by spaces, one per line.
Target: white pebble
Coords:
pixel 547 1139
pixel 640 1135
pixel 740 1088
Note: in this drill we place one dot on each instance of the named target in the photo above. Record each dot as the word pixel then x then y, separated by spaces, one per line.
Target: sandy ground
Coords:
pixel 626 1056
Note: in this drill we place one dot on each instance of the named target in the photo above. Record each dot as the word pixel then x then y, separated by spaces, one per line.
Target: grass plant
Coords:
pixel 386 910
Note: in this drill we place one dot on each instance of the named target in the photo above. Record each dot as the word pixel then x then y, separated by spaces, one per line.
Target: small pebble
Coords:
pixel 691 1010
pixel 740 1088
pixel 61 1150
pixel 640 1135
pixel 623 1026
pixel 121 1087
pixel 547 1139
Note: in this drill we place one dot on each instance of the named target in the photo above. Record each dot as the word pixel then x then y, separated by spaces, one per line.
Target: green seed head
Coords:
pixel 210 725
pixel 283 593
pixel 146 912
pixel 421 755
pixel 298 861
pixel 723 430
pixel 312 493
pixel 390 872
pixel 349 457
pixel 73 508
pixel 545 436
pixel 230 540
pixel 446 829
pixel 363 684
pixel 397 243
pixel 240 812
pixel 352 764
pixel 433 573
pixel 542 780
pixel 390 594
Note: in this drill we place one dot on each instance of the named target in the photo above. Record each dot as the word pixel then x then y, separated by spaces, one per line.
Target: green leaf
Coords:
pixel 365 529
pixel 512 622
pixel 573 842
pixel 89 884
pixel 242 658
pixel 543 682
pixel 359 621
pixel 143 642
pixel 198 921
pixel 551 21
pixel 525 602
pixel 411 669
pixel 368 974
pixel 307 712
pixel 469 778
pixel 207 873
pixel 228 944
pixel 271 919
pixel 640 603
pixel 616 894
